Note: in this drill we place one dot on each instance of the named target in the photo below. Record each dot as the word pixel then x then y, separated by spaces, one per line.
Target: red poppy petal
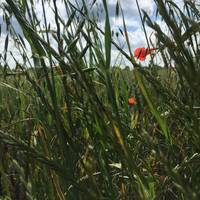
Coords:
pixel 141 53
pixel 142 58
pixel 131 101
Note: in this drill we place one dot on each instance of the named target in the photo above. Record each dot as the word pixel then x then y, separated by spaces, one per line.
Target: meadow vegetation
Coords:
pixel 66 129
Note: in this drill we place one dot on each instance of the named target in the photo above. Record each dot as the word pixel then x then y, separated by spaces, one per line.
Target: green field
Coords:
pixel 66 128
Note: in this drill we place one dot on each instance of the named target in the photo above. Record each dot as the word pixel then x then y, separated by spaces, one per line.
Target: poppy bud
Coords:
pixel 162 178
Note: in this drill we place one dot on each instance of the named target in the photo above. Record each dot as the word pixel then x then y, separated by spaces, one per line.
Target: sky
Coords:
pixel 134 26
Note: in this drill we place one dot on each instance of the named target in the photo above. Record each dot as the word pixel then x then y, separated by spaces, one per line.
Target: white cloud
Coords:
pixel 130 7
pixel 14 49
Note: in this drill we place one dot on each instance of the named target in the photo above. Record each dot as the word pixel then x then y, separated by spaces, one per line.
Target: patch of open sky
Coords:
pixel 133 21
pixel 14 23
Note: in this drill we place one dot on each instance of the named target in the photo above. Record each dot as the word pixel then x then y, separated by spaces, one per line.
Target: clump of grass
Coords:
pixel 67 131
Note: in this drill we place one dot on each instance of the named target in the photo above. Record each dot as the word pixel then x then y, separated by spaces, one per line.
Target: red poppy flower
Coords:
pixel 131 101
pixel 142 53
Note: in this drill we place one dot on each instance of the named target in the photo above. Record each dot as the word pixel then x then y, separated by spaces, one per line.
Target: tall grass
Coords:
pixel 67 131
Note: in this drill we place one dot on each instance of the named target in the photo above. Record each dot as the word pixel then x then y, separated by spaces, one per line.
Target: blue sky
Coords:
pixel 136 34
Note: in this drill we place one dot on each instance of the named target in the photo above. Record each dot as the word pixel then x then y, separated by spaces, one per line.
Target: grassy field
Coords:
pixel 66 128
